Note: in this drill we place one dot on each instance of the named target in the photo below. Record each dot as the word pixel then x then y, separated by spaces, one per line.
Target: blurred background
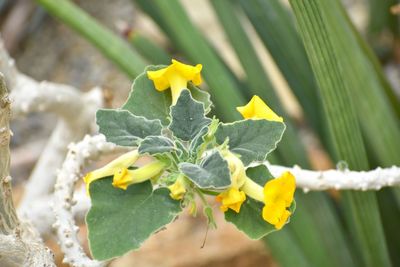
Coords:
pixel 246 47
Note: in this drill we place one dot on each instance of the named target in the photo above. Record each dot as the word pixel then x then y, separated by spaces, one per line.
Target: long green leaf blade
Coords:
pixel 321 47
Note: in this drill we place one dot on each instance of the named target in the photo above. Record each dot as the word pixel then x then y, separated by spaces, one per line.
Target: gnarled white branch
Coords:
pixel 79 154
pixel 75 110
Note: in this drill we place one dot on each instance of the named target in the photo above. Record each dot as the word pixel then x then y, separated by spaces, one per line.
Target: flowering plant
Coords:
pixel 191 155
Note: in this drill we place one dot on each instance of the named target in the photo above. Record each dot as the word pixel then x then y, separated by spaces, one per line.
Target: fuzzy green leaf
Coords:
pixel 156 145
pixel 157 104
pixel 201 96
pixel 125 129
pixel 187 117
pixel 212 173
pixel 252 139
pixel 121 220
pixel 144 100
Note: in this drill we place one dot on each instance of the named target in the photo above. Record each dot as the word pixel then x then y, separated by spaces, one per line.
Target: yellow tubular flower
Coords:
pixel 175 76
pixel 123 161
pixel 124 177
pixel 278 196
pixel 178 189
pixel 256 109
pixel 231 199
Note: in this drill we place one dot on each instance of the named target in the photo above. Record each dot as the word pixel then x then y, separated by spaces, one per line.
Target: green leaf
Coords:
pixel 198 139
pixel 201 96
pixel 121 220
pixel 187 117
pixel 125 129
pixel 212 173
pixel 252 139
pixel 249 220
pixel 144 100
pixel 156 145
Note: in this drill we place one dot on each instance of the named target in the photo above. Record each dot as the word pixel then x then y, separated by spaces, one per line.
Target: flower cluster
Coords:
pixel 277 195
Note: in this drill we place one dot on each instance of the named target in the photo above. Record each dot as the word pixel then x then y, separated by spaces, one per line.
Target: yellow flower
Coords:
pixel 123 161
pixel 276 214
pixel 124 177
pixel 231 199
pixel 178 189
pixel 256 109
pixel 278 196
pixel 175 76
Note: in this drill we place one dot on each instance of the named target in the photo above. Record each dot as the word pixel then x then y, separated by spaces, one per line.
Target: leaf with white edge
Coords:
pixel 201 96
pixel 144 100
pixel 125 129
pixel 212 173
pixel 187 117
pixel 198 140
pixel 249 220
pixel 252 139
pixel 121 220
pixel 156 145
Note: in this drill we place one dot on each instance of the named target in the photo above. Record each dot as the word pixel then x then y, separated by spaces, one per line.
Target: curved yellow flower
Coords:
pixel 123 161
pixel 124 177
pixel 278 196
pixel 231 199
pixel 256 109
pixel 176 77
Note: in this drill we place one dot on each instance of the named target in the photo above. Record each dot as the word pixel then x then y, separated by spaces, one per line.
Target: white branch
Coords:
pixel 42 220
pixel 75 110
pixel 79 154
pixel 341 179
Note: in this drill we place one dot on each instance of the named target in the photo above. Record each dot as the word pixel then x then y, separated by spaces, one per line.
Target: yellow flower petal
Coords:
pixel 256 109
pixel 123 161
pixel 276 214
pixel 278 196
pixel 280 189
pixel 159 79
pixel 231 199
pixel 175 76
pixel 178 190
pixel 190 73
pixel 122 179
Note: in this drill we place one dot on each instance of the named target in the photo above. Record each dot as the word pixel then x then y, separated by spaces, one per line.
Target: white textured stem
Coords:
pixel 20 244
pixel 67 130
pixel 340 179
pixel 42 220
pixel 79 154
